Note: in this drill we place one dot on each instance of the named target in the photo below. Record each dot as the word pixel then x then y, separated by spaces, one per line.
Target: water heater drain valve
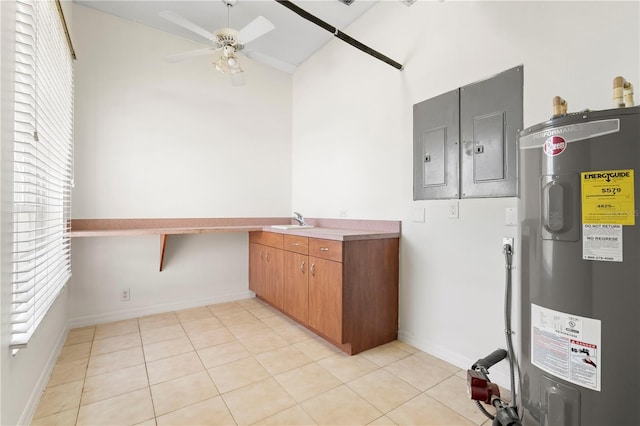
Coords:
pixel 481 389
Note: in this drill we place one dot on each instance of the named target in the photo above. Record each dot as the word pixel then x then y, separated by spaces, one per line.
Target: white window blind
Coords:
pixel 42 165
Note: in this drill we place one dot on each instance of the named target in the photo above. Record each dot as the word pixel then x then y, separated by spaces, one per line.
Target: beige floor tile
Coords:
pixel 101 364
pixel 340 406
pixel 278 321
pixel 64 418
pixel 60 398
pixel 383 390
pixel 385 354
pixel 294 416
pixel 80 335
pixel 417 372
pixel 173 367
pixel 193 314
pixel 249 328
pixel 316 348
pixel 453 393
pixel 202 325
pixel 241 402
pixel 282 359
pixel 383 421
pixel 263 342
pixel 150 422
pixel 237 374
pixel 346 367
pixel 236 318
pixel 213 411
pixel 167 348
pixel 105 386
pixel 182 392
pixel 307 381
pixel 154 335
pixel 263 312
pixel 116 343
pixel 224 353
pixel 228 307
pixel 405 347
pixel 294 333
pixel 158 321
pixel 204 339
pixel 439 363
pixel 130 408
pixel 252 303
pixel 116 328
pixel 424 410
pixel 67 372
pixel 75 352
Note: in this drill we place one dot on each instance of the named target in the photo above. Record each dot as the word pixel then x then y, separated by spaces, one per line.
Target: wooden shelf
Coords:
pixel 332 229
pixel 166 227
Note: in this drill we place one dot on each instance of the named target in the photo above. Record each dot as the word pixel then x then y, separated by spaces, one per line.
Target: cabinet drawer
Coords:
pixel 296 244
pixel 271 239
pixel 325 249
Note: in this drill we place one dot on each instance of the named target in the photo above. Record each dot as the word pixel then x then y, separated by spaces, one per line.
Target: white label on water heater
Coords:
pixel 566 346
pixel 602 242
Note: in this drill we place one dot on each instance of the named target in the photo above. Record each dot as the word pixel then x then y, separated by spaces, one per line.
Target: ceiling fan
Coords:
pixel 227 41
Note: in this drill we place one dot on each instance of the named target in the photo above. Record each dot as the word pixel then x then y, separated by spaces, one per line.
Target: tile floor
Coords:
pixel 244 363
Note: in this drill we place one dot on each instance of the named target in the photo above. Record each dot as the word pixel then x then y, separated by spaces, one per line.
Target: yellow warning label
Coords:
pixel 607 197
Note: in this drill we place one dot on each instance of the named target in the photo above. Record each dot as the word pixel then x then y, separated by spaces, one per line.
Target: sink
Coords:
pixel 291 226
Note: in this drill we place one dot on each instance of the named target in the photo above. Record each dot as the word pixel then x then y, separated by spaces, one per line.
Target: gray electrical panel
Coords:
pixel 490 120
pixel 464 141
pixel 435 147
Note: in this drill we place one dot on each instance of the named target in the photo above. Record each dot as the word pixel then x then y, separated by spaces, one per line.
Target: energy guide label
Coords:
pixel 567 346
pixel 602 242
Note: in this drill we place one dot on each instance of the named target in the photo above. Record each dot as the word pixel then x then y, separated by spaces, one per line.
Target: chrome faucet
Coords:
pixel 298 218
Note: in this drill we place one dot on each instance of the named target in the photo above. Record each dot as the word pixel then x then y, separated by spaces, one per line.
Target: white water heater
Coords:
pixel 580 273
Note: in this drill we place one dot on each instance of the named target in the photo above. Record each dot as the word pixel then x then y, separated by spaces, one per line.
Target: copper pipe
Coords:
pixel 559 106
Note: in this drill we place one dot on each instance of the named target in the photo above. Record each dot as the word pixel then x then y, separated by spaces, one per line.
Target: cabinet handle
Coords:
pixel 313 269
pixel 302 266
pixel 295 244
pixel 324 248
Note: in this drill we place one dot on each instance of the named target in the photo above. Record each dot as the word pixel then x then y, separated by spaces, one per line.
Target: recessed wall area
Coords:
pixel 160 140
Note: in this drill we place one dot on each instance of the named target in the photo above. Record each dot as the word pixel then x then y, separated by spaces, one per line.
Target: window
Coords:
pixel 42 164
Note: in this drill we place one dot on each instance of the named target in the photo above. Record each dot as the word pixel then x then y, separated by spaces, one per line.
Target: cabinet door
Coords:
pixel 274 283
pixel 296 286
pixel 325 297
pixel 256 269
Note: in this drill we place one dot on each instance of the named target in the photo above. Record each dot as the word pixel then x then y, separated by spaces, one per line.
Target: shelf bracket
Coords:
pixel 163 244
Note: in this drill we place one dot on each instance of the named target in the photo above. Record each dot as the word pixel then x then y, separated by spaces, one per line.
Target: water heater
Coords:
pixel 580 269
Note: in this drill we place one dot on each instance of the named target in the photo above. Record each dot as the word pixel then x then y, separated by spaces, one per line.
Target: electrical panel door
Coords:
pixel 435 144
pixel 490 120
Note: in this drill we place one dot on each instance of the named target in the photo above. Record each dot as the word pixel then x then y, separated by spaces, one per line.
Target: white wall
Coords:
pixel 352 139
pixel 154 139
pixel 23 376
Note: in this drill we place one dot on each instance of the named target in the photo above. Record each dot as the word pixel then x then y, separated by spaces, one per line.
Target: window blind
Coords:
pixel 42 165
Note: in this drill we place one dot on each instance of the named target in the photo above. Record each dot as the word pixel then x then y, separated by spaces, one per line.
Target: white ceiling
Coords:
pixel 292 41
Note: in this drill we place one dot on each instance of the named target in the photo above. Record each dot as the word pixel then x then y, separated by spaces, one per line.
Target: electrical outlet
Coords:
pixel 125 295
pixel 453 209
pixel 507 240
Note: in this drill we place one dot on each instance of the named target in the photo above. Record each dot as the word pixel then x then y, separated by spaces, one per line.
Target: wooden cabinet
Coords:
pixel 266 277
pixel 345 291
pixel 325 298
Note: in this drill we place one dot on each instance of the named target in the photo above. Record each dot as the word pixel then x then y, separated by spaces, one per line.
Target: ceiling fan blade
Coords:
pixel 185 23
pixel 189 54
pixel 237 79
pixel 256 28
pixel 270 61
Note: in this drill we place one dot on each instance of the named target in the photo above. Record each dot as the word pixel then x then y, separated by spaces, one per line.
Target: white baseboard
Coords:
pixel 43 380
pixel 459 360
pixel 154 309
